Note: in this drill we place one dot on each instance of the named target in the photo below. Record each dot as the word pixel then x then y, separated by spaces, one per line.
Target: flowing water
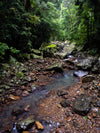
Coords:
pixel 59 81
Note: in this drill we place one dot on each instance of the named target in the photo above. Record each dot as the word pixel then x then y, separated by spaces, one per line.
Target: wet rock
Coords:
pixel 64 49
pixel 82 104
pixel 65 103
pixel 6 87
pixel 70 61
pixel 17 111
pixel 88 78
pixel 18 92
pixel 98 88
pixel 34 56
pixel 39 126
pixel 14 130
pixel 36 51
pixel 85 87
pixel 53 131
pixel 56 67
pixel 96 67
pixel 98 104
pixel 26 123
pixel 99 93
pixel 80 73
pixel 86 63
pixel 25 93
pixel 61 93
pixel 58 130
pixel 33 87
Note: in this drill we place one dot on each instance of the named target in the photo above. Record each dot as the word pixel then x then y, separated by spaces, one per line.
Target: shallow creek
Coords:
pixel 59 81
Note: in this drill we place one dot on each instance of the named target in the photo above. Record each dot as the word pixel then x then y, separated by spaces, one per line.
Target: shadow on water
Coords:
pixel 58 82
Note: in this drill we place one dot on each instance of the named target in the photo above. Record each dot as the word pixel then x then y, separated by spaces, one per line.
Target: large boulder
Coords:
pixel 64 49
pixel 82 105
pixel 48 50
pixel 96 67
pixel 86 63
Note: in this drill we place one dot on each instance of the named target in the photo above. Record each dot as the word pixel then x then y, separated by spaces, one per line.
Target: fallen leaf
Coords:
pixel 39 125
pixel 0 109
pixel 59 106
pixel 43 105
pixel 94 115
pixel 12 97
pixel 25 132
pixel 89 117
pixel 68 119
pixel 27 108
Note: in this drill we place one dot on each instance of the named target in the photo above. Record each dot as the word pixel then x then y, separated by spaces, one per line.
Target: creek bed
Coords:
pixel 58 82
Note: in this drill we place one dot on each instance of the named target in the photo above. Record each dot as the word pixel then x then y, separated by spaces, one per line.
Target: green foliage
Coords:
pixel 93 51
pixel 20 75
pixel 28 24
pixel 3 48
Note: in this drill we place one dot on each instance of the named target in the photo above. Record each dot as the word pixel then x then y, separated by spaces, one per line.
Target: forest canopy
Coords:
pixel 27 24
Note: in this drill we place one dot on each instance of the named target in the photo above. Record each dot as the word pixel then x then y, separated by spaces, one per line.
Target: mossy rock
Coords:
pixel 36 51
pixel 34 56
pixel 26 123
pixel 49 50
pixel 24 57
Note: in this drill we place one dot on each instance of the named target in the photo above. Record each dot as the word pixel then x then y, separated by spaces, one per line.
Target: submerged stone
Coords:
pixel 65 103
pixel 88 78
pixel 17 111
pixel 82 104
pixel 98 103
pixel 61 93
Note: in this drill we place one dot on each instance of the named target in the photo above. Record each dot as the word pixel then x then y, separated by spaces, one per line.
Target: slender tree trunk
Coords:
pixel 27 5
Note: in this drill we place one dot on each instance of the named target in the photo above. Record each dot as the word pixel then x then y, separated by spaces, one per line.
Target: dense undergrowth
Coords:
pixel 28 24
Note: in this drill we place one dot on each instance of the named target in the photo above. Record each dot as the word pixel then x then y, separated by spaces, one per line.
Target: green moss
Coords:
pixel 34 56
pixel 51 46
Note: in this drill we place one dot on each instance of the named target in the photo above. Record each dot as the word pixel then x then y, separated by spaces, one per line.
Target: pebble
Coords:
pixel 95 109
pixel 98 103
pixel 65 103
pixel 39 126
pixel 25 93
